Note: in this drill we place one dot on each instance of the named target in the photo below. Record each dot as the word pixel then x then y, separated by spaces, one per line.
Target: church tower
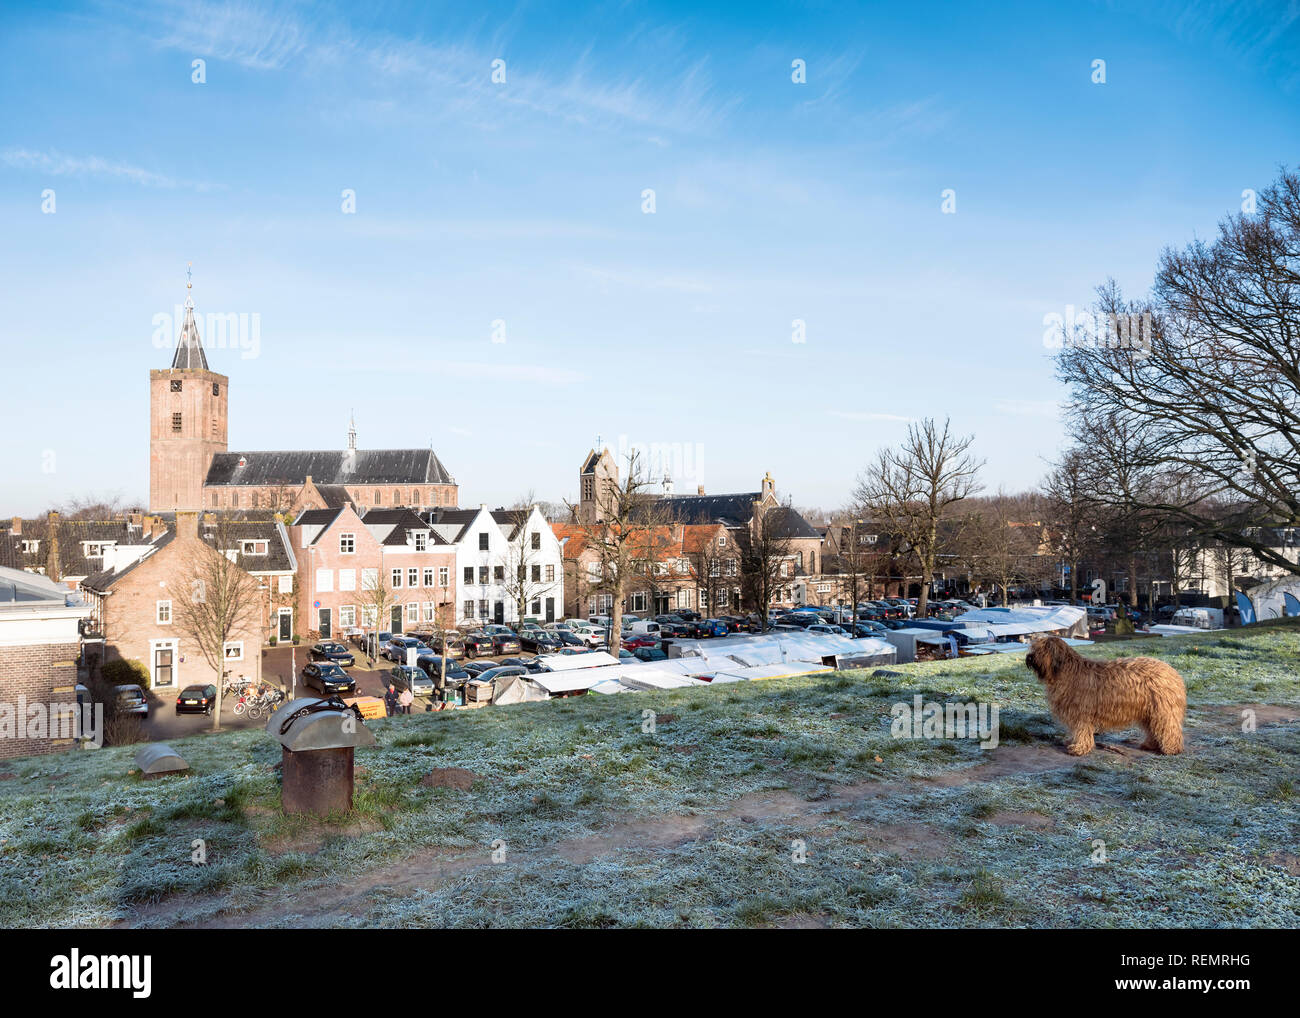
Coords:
pixel 187 422
pixel 597 483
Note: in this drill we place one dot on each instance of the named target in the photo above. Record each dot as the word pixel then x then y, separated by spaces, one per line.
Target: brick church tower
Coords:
pixel 187 422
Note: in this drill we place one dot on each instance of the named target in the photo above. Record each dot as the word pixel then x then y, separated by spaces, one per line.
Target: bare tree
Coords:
pixel 911 489
pixel 625 514
pixel 220 600
pixel 1214 386
pixel 377 601
pixel 1070 508
pixel 765 557
pixel 524 577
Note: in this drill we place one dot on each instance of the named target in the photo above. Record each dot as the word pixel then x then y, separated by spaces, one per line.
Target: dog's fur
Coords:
pixel 1093 696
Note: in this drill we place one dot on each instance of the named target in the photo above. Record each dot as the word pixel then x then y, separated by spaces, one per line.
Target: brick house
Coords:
pixel 347 564
pixel 134 602
pixel 67 551
pixel 39 646
pixel 677 566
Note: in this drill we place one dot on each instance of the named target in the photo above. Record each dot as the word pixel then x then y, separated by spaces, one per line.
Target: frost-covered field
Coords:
pixel 594 822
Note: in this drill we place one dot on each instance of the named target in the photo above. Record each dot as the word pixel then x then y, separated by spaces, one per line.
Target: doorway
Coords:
pixel 396 620
pixel 325 631
pixel 286 624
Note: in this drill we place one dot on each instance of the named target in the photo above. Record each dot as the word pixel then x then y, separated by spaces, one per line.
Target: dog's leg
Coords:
pixel 1150 743
pixel 1081 742
pixel 1167 734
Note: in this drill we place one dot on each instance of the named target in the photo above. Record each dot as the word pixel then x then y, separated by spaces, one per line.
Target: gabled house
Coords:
pixel 135 601
pixel 353 567
pixel 505 558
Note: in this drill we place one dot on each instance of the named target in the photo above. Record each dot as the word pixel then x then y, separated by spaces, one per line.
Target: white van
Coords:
pixel 644 628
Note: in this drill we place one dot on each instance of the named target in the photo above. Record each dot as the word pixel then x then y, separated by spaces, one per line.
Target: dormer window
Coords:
pixel 253 547
pixel 31 547
pixel 420 539
pixel 95 549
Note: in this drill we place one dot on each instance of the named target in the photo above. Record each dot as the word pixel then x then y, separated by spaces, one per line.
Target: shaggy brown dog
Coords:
pixel 1094 696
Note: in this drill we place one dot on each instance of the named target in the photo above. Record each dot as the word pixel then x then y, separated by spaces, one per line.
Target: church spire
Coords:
pixel 352 433
pixel 189 348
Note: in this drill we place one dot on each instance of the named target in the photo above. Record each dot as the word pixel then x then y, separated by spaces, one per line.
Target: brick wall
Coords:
pixel 44 674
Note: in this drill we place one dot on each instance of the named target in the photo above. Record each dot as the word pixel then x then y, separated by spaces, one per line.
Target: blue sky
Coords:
pixel 521 202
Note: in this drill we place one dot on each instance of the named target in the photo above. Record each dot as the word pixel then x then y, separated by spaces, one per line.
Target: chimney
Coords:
pixel 52 547
pixel 187 524
pixel 134 519
pixel 156 526
pixel 308 480
pixel 17 528
pixel 699 489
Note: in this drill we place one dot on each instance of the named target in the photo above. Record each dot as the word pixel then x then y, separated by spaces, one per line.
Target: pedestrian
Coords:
pixel 390 700
pixel 406 699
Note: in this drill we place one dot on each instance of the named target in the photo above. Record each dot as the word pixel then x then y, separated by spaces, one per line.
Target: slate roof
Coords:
pixel 71 534
pixel 189 348
pixel 398 522
pixel 735 510
pixel 333 494
pixel 451 524
pixel 105 578
pixel 329 467
pixel 278 557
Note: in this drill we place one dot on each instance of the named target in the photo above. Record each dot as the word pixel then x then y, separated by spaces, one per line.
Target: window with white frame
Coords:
pixel 31 547
pixel 369 613
pixel 347 544
pixel 536 607
pixel 683 599
pixel 347 579
pixel 234 650
pixel 253 547
pixel 163 613
pixel 413 611
pixel 397 578
pixel 444 576
pixel 413 577
pixel 467 609
pixel 638 601
pixel 468 575
pixel 483 609
pixel 286 583
pixel 550 574
pixel 324 580
pixel 421 540
pixel 428 576
pixel 370 579
pixel 430 611
pixel 348 616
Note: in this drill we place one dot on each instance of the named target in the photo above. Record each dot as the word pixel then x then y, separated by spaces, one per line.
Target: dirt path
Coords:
pixel 430 868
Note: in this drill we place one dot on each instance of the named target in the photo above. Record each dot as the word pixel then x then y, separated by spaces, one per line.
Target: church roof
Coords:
pixel 189 348
pixel 328 466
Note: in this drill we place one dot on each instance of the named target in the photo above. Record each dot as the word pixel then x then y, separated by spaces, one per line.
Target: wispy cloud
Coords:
pixel 59 165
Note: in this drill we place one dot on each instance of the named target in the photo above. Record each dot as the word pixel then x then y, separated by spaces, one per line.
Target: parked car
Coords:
pixel 328 650
pixel 649 654
pixel 531 665
pixel 196 699
pixel 539 641
pixel 634 641
pixel 132 700
pixel 449 644
pixel 432 666
pixel 828 629
pixel 399 645
pixel 478 667
pixel 504 639
pixel 862 629
pixel 411 677
pixel 375 643
pixel 713 627
pixel 572 641
pixel 500 671
pixel 327 677
pixel 478 643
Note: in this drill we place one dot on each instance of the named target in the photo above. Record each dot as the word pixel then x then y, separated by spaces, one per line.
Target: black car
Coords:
pixel 568 639
pixel 504 641
pixel 327 650
pixel 530 664
pixel 478 644
pixel 478 667
pixel 196 700
pixel 432 666
pixel 538 641
pixel 327 677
